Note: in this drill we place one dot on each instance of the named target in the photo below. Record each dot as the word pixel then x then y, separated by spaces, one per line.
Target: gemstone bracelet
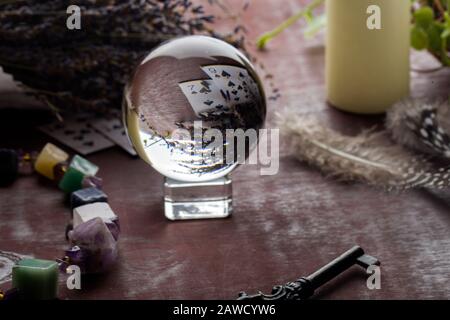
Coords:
pixel 92 233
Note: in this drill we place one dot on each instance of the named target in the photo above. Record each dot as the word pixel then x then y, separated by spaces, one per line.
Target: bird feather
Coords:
pixel 370 157
pixel 421 125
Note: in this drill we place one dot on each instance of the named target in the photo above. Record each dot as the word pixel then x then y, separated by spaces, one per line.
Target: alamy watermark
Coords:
pixel 374 20
pixel 73 282
pixel 374 280
pixel 73 21
pixel 232 146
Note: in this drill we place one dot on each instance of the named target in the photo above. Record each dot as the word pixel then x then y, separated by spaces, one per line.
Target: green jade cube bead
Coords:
pixel 78 169
pixel 36 279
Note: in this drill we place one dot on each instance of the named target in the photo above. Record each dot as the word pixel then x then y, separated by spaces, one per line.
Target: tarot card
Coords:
pixel 112 128
pixel 204 95
pixel 77 134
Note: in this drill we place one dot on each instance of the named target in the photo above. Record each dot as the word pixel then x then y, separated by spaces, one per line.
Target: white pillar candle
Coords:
pixel 367 54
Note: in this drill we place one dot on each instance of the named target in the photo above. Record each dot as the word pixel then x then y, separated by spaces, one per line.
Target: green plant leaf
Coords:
pixel 434 31
pixel 424 16
pixel 315 25
pixel 305 13
pixel 419 38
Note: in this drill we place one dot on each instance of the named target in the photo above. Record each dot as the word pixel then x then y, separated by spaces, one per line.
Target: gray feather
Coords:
pixel 370 157
pixel 421 125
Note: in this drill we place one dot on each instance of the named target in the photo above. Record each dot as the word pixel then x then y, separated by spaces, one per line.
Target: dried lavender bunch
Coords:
pixel 88 68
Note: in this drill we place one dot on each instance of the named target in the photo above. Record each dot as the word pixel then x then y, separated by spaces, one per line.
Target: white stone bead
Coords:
pixel 90 211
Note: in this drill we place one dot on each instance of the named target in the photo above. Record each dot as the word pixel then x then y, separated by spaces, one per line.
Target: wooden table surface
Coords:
pixel 283 226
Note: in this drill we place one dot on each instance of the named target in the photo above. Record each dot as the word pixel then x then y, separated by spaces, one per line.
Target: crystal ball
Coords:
pixel 179 93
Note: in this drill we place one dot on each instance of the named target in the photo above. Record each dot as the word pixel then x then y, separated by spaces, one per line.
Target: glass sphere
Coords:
pixel 190 85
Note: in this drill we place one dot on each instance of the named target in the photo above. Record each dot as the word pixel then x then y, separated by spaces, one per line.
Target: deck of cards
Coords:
pixel 87 133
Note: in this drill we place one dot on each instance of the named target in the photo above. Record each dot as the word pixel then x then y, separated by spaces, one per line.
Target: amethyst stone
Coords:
pixel 114 228
pixel 92 181
pixel 75 256
pixel 98 248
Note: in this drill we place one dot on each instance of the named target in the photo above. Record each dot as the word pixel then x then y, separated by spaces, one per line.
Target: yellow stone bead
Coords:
pixel 49 157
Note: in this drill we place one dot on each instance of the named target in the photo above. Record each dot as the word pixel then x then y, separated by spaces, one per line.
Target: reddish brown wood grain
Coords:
pixel 283 226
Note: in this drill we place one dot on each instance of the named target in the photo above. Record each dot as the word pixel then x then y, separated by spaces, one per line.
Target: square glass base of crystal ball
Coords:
pixel 197 200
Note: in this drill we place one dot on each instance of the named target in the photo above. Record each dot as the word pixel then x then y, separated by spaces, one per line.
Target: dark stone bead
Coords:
pixel 59 170
pixel 12 294
pixel 9 166
pixel 87 196
pixel 69 227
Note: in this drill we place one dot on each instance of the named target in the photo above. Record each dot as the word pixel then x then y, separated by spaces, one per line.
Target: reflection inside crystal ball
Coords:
pixel 183 91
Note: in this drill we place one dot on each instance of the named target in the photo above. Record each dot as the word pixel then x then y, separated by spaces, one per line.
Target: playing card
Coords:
pixel 112 128
pixel 204 95
pixel 234 81
pixel 77 134
pixel 223 74
pixel 251 84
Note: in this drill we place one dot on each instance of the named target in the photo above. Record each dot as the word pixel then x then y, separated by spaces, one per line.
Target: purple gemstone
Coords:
pixel 92 182
pixel 98 247
pixel 75 256
pixel 114 228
